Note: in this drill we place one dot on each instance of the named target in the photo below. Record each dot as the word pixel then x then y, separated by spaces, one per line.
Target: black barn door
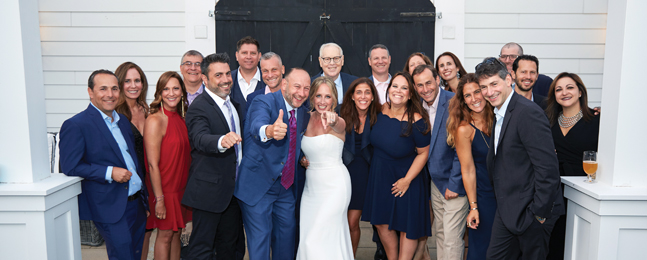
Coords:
pixel 295 29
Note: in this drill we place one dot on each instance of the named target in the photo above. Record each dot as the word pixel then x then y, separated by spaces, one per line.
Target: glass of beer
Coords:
pixel 590 164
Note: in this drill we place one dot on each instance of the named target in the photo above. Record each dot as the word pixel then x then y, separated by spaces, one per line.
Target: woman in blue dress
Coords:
pixel 396 197
pixel 468 130
pixel 359 109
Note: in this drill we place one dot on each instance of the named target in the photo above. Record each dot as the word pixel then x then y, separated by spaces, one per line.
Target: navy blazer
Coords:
pixel 212 176
pixel 251 97
pixel 540 100
pixel 348 154
pixel 443 165
pixel 87 148
pixel 237 94
pixel 524 171
pixel 542 85
pixel 263 161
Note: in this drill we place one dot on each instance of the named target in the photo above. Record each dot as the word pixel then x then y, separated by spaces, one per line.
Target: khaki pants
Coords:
pixel 450 222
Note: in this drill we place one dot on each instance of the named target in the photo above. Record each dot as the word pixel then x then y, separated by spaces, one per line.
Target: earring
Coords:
pixel 372 99
pixel 458 74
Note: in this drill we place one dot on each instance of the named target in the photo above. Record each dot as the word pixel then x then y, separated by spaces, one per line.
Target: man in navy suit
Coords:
pixel 98 145
pixel 247 78
pixel 448 198
pixel 272 71
pixel 331 60
pixel 525 70
pixel 270 181
pixel 523 169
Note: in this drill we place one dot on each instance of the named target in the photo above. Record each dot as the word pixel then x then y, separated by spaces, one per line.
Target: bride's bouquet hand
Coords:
pixel 400 187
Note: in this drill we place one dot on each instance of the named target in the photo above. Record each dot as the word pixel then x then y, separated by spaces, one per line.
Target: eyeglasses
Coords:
pixel 490 60
pixel 190 64
pixel 335 59
pixel 511 56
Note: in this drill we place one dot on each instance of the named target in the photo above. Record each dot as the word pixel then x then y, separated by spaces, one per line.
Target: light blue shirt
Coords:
pixel 135 183
pixel 500 114
pixel 340 88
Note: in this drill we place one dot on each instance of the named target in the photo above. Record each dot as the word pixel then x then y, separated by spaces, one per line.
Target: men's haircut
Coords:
pixel 515 64
pixel 222 57
pixel 341 52
pixel 287 75
pixel 97 72
pixel 379 46
pixel 489 67
pixel 248 40
pixel 191 53
pixel 422 68
pixel 269 55
pixel 512 44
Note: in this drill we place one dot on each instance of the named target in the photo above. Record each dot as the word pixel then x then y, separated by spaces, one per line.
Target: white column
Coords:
pixel 23 157
pixel 39 216
pixel 608 219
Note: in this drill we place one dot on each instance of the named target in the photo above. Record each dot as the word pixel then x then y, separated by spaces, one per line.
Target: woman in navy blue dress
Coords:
pixel 397 200
pixel 468 130
pixel 359 110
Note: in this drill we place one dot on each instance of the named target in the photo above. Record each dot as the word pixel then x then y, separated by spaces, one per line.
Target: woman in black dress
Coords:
pixel 359 109
pixel 575 130
pixel 132 103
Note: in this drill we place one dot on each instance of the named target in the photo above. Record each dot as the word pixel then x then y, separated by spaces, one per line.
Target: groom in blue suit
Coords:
pixel 98 145
pixel 270 181
pixel 448 199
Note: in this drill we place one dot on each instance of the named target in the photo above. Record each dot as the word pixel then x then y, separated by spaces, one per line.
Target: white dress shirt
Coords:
pixel 251 87
pixel 500 115
pixel 432 109
pixel 225 112
pixel 381 89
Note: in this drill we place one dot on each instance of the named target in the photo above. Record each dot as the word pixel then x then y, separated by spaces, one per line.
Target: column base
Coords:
pixel 604 222
pixel 40 220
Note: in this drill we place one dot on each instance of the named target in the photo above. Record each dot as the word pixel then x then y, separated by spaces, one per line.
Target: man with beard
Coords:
pixel 272 71
pixel 509 53
pixel 270 182
pixel 214 122
pixel 525 71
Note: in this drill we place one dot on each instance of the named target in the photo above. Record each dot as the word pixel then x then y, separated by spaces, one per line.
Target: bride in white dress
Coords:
pixel 323 231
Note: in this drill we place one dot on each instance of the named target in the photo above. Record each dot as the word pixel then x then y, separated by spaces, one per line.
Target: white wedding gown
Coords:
pixel 323 231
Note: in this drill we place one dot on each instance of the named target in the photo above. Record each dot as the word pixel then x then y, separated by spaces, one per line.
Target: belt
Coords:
pixel 134 196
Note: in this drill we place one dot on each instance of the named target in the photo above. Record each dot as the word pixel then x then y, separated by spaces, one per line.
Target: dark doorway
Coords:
pixel 295 29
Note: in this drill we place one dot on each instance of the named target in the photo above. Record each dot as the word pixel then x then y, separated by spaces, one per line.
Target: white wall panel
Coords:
pixel 111 6
pixel 97 19
pixel 526 6
pixel 113 48
pixel 112 34
pixel 55 19
pixel 548 36
pixel 536 21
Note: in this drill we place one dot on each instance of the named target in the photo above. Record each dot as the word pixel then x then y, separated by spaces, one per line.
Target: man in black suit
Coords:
pixel 523 169
pixel 525 71
pixel 214 123
pixel 247 78
pixel 509 53
pixel 331 60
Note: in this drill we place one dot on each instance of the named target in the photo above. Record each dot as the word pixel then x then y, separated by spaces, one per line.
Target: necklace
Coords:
pixel 485 141
pixel 566 122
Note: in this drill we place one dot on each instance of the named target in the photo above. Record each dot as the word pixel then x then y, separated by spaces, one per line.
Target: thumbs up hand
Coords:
pixel 277 130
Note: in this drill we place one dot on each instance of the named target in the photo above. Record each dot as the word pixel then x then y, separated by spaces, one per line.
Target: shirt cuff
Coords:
pixel 109 174
pixel 220 148
pixel 262 134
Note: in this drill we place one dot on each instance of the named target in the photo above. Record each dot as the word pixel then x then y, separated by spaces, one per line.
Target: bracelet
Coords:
pixel 474 209
pixel 473 202
pixel 158 198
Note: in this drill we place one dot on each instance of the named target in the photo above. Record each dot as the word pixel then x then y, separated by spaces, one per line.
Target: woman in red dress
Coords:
pixel 168 155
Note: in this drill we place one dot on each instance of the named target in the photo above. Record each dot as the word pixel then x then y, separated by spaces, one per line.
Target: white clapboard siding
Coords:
pixel 566 35
pixel 80 36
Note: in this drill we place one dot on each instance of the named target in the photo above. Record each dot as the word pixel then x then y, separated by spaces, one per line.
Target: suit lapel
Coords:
pixel 438 119
pixel 105 132
pixel 219 112
pixel 506 117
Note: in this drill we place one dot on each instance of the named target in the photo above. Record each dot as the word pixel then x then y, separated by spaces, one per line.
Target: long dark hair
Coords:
pixel 553 108
pixel 349 110
pixel 461 71
pixel 122 105
pixel 413 105
pixel 459 112
pixel 161 83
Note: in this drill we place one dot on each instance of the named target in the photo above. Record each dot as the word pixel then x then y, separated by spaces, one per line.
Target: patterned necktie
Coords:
pixel 288 170
pixel 232 126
